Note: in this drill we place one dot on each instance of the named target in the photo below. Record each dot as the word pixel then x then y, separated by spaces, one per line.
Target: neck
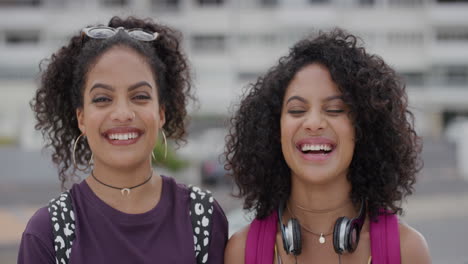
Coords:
pixel 140 199
pixel 322 204
pixel 122 177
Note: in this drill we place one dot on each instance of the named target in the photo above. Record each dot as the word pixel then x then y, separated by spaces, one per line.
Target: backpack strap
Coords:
pixel 63 226
pixel 385 239
pixel 63 223
pixel 201 212
pixel 260 243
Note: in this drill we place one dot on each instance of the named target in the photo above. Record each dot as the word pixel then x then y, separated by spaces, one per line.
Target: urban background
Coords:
pixel 230 43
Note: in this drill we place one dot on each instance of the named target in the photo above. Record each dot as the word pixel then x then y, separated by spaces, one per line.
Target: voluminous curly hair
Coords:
pixel 63 78
pixel 386 156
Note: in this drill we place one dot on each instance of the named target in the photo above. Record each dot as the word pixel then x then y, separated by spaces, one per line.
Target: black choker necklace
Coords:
pixel 124 190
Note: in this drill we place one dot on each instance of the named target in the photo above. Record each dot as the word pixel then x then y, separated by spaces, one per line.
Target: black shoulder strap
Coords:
pixel 201 212
pixel 63 226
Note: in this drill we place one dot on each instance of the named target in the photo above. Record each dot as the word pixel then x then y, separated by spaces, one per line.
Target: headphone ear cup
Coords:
pixel 354 228
pixel 296 236
pixel 285 237
pixel 288 238
pixel 346 232
pixel 338 236
pixel 353 235
pixel 283 228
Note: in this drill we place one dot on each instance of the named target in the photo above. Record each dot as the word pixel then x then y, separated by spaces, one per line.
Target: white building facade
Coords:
pixel 231 42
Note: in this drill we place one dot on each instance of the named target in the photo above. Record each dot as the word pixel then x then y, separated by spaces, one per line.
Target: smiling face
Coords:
pixel 121 114
pixel 317 134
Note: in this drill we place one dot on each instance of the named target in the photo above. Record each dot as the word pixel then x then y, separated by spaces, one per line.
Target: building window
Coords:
pixel 210 43
pixel 209 2
pixel 452 34
pixel 405 38
pixel 457 75
pixel 314 2
pixel 454 75
pixel 266 39
pixel 259 39
pixel 20 3
pixel 22 37
pixel 10 72
pixel 406 3
pixel 452 1
pixel 165 5
pixel 366 2
pixel 247 76
pixel 413 78
pixel 114 3
pixel 268 3
pixel 58 4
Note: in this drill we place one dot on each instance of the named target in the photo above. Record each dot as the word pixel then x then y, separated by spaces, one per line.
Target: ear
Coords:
pixel 80 119
pixel 162 116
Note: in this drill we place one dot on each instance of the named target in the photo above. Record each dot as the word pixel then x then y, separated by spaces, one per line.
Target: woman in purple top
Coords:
pixel 323 150
pixel 102 102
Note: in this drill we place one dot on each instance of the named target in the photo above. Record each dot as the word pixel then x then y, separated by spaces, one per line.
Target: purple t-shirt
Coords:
pixel 106 235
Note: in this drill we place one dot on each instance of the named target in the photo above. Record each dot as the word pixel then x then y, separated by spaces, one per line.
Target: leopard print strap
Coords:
pixel 63 226
pixel 201 211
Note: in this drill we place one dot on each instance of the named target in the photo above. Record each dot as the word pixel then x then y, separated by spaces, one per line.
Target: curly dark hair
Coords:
pixel 63 77
pixel 386 157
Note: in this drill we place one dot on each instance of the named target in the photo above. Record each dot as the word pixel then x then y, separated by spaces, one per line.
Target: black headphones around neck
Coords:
pixel 346 232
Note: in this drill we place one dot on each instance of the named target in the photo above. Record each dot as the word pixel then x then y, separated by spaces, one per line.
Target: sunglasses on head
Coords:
pixel 103 32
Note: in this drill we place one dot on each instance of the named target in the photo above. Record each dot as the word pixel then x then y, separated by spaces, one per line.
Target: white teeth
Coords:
pixel 310 147
pixel 125 136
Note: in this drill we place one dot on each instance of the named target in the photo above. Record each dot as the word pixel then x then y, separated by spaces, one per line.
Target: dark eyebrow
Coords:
pixel 101 85
pixel 334 97
pixel 110 88
pixel 330 98
pixel 139 84
pixel 296 98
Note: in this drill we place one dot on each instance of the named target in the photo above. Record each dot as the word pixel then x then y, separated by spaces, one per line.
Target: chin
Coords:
pixel 318 176
pixel 125 162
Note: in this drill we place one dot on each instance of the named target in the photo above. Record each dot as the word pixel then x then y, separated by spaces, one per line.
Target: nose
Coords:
pixel 122 113
pixel 314 121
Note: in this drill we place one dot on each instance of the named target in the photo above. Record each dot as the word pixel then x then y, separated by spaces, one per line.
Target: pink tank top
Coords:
pixel 384 236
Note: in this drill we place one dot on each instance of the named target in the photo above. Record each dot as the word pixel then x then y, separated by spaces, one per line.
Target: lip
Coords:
pixel 122 130
pixel 316 141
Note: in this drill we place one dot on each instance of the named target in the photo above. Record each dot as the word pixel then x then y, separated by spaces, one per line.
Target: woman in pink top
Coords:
pixel 325 143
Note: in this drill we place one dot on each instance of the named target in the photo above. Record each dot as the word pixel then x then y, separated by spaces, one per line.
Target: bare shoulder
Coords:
pixel 235 249
pixel 413 246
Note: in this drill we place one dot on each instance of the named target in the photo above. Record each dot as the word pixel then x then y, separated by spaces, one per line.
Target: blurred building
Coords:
pixel 231 42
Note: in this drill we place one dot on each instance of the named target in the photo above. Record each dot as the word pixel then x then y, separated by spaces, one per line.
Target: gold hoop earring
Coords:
pixel 165 144
pixel 165 147
pixel 74 157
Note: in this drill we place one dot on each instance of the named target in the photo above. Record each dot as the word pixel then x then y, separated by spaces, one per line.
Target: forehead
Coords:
pixel 312 81
pixel 120 66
